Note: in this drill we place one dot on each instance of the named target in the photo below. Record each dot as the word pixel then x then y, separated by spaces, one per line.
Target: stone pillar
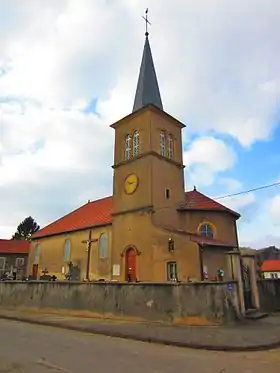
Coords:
pixel 235 271
pixel 249 259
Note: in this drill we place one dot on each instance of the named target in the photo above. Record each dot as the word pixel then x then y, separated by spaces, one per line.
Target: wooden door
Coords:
pixel 130 265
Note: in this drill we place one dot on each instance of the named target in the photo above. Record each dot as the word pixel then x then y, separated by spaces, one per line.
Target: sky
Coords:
pixel 68 69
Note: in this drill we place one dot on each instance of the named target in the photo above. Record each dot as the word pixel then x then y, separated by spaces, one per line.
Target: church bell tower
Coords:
pixel 148 163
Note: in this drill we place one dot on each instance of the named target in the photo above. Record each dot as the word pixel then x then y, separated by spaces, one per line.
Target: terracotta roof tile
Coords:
pixel 271 265
pixel 198 201
pixel 14 247
pixel 208 241
pixel 89 215
pixel 99 213
pixel 198 238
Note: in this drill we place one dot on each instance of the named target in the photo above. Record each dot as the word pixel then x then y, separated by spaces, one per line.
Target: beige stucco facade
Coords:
pixel 52 256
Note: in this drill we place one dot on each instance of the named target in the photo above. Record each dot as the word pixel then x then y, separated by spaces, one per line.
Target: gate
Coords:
pixel 246 278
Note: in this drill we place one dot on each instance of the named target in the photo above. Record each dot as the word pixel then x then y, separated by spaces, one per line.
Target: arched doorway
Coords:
pixel 130 264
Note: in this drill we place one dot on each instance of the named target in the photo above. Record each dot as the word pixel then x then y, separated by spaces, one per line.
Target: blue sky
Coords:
pixel 70 74
pixel 257 165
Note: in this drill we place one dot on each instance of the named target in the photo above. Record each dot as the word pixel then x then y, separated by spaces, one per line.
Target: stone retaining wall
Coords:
pixel 217 302
pixel 269 293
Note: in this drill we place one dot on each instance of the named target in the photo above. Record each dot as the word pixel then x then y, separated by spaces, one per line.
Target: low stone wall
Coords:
pixel 216 302
pixel 269 293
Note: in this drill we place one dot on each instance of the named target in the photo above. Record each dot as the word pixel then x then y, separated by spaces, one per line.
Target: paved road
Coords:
pixel 26 348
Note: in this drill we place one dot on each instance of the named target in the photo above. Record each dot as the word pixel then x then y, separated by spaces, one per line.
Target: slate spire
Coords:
pixel 147 91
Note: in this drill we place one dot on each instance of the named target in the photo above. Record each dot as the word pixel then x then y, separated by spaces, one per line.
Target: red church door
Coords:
pixel 130 259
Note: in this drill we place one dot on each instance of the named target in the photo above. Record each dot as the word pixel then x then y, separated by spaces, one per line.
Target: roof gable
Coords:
pixel 198 201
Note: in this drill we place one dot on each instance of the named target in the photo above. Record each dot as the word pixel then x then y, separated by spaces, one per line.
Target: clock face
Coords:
pixel 131 183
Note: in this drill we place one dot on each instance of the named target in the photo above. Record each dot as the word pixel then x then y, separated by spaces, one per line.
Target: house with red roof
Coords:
pixel 150 229
pixel 271 269
pixel 14 257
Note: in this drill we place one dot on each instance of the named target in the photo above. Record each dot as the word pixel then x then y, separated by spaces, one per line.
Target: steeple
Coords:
pixel 147 91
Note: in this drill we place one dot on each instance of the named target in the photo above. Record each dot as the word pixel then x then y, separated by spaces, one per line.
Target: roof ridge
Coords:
pixel 70 213
pixel 92 213
pixel 199 194
pixel 97 200
pixel 271 260
pixel 13 240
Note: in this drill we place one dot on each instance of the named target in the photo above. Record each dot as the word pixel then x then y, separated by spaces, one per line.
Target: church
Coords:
pixel 151 229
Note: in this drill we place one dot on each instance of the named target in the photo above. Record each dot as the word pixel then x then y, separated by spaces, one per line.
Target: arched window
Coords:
pixel 206 230
pixel 103 246
pixel 127 147
pixel 67 251
pixel 136 143
pixel 37 254
pixel 170 145
pixel 162 143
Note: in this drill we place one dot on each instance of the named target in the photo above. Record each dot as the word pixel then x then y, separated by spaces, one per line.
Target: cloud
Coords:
pixel 59 61
pixel 235 198
pixel 238 203
pixel 65 57
pixel 49 178
pixel 205 158
pixel 274 209
pixel 231 78
pixel 232 185
pixel 261 229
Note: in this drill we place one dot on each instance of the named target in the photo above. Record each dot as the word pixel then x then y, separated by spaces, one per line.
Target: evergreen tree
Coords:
pixel 26 229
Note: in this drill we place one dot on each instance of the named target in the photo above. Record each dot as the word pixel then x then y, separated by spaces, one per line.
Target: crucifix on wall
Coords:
pixel 88 243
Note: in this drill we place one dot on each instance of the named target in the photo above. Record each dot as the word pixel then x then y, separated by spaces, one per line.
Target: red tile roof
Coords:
pixel 208 241
pixel 198 201
pixel 271 265
pixel 89 215
pixel 14 247
pixel 198 238
pixel 99 213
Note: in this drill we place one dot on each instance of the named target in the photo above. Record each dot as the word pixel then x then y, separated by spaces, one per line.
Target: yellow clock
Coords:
pixel 131 183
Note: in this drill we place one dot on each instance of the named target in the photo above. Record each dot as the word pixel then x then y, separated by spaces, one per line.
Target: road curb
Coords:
pixel 135 337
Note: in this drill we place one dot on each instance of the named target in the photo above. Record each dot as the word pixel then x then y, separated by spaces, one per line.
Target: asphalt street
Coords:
pixel 29 348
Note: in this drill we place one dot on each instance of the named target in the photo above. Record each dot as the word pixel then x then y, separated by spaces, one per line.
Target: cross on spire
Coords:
pixel 147 91
pixel 146 21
